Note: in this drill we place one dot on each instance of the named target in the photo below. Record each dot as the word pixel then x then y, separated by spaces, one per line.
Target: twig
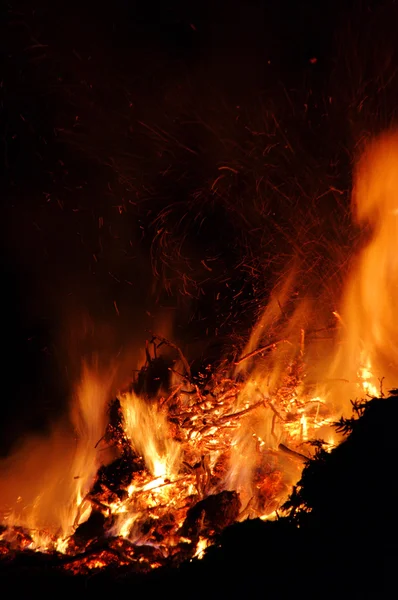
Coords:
pixel 221 420
pixel 201 398
pixel 302 342
pixel 272 407
pixel 177 373
pixel 156 487
pixel 168 343
pixel 172 395
pixel 260 350
pixel 100 440
pixel 240 413
pixel 281 309
pixel 328 328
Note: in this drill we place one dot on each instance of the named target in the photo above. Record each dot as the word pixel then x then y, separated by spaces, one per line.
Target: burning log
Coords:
pixel 293 453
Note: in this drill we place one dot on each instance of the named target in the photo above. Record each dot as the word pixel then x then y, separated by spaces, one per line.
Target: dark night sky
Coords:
pixel 82 174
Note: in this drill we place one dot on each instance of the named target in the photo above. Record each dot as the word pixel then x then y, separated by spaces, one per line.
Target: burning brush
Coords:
pixel 173 468
pixel 152 477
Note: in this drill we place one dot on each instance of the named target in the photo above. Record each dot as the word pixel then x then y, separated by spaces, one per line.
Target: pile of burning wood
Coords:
pixel 187 461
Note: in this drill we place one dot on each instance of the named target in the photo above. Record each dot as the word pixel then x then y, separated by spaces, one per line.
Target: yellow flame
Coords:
pixel 368 310
pixel 201 546
pixel 147 428
pixel 45 481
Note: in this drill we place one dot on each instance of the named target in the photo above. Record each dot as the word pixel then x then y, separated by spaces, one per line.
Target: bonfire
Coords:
pixel 152 474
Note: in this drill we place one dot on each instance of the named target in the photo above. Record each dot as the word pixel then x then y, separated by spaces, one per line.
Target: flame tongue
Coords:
pixel 147 428
pixel 368 345
pixel 46 481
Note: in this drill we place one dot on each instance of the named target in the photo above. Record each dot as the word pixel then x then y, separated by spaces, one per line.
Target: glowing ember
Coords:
pixel 141 480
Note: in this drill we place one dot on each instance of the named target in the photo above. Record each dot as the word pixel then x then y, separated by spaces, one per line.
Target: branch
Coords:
pixel 181 355
pixel 260 350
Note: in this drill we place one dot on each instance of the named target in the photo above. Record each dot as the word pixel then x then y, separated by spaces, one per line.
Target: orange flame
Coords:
pixel 45 482
pixel 369 349
pixel 147 428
